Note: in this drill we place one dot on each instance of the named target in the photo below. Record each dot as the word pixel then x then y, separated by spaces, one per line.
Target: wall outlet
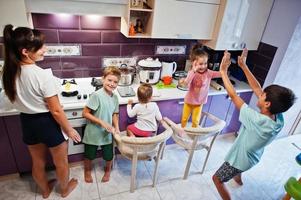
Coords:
pixel 118 61
pixel 65 50
pixel 171 49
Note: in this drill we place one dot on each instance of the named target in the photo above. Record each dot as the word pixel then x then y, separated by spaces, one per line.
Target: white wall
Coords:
pixel 278 32
pixel 282 26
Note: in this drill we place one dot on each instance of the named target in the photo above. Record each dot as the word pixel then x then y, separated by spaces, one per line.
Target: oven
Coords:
pixel 78 123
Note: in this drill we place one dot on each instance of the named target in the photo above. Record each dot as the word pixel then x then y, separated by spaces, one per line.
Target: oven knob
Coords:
pixel 79 96
pixel 74 113
pixel 85 96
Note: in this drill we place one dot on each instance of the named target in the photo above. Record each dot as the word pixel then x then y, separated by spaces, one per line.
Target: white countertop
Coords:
pixel 158 95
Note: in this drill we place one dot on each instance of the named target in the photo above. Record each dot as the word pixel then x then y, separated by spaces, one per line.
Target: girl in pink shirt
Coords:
pixel 198 83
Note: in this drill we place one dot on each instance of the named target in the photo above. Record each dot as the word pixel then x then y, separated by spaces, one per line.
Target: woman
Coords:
pixel 33 92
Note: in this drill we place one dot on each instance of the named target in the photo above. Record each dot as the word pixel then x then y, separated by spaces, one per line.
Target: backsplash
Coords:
pixel 100 37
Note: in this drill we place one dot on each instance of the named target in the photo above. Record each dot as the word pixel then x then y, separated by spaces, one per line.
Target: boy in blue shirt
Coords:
pixel 258 129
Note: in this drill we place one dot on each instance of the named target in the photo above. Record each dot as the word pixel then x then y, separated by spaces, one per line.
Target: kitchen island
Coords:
pixel 170 102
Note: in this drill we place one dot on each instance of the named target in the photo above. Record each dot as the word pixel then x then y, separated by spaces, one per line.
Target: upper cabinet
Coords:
pixel 182 19
pixel 240 23
pixel 13 12
pixel 138 20
pixel 178 19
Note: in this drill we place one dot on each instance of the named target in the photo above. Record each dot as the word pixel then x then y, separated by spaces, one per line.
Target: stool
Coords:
pixel 292 186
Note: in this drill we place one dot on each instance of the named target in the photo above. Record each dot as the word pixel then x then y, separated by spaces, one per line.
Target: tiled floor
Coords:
pixel 264 181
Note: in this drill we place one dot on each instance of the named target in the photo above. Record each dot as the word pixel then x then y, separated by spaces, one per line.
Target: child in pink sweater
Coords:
pixel 198 83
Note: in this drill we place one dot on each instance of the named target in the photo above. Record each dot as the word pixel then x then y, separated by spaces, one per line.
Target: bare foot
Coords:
pixel 106 177
pixel 88 177
pixel 71 185
pixel 51 184
pixel 238 180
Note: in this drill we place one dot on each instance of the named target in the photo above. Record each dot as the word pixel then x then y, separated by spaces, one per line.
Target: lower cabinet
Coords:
pixel 8 164
pixel 20 150
pixel 233 120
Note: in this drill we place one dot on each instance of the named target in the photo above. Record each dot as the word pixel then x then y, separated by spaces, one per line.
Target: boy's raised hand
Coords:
pixel 242 58
pixel 226 61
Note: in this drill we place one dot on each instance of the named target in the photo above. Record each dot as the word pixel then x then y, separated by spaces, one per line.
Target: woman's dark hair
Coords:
pixel 14 42
pixel 144 93
pixel 198 50
pixel 281 98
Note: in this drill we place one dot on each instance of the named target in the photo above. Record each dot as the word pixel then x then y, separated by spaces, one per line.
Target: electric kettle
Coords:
pixel 168 69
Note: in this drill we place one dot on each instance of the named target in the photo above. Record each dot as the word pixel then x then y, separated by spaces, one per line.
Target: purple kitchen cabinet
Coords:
pixel 8 164
pixel 219 107
pixel 234 123
pixel 21 153
pixel 20 150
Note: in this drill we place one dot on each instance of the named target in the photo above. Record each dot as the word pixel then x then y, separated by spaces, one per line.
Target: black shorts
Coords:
pixel 226 172
pixel 41 128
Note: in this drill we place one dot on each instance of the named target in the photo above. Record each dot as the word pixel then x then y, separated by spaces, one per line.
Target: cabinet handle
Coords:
pixel 180 102
pixel 184 36
pixel 243 45
pixel 235 45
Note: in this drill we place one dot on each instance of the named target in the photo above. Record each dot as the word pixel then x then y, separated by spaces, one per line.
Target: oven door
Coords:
pixel 79 125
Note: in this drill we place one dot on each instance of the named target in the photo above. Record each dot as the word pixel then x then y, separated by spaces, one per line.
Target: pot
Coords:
pixel 69 88
pixel 127 75
pixel 168 69
pixel 149 70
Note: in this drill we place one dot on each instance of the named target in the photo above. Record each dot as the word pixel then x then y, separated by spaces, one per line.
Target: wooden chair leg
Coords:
pixel 208 152
pixel 191 151
pixel 134 171
pixel 158 158
pixel 163 150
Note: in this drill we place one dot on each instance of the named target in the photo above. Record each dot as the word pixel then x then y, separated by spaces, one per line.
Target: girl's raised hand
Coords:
pixel 226 61
pixel 242 58
pixel 194 66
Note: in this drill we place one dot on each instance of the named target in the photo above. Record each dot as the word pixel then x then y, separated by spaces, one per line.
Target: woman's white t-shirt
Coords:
pixel 34 85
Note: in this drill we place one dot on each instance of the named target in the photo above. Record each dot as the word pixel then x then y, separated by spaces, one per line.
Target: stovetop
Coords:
pixel 85 89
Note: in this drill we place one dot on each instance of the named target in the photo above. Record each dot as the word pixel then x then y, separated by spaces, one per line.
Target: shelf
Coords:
pixel 141 10
pixel 140 35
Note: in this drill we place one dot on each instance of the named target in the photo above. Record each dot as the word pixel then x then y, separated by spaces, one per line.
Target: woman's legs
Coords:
pixel 60 160
pixel 38 155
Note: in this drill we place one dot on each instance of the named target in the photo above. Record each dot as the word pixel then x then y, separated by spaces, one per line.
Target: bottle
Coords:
pixel 132 30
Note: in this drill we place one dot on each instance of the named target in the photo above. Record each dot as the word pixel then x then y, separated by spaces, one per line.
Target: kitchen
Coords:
pixel 102 38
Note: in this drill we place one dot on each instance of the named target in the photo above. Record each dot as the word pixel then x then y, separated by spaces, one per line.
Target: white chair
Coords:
pixel 142 148
pixel 197 138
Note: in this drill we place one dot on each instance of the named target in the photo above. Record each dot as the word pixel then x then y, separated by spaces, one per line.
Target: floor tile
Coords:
pixel 144 193
pixel 21 188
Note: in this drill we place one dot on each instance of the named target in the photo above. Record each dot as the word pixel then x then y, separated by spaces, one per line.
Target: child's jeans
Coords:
pixel 195 112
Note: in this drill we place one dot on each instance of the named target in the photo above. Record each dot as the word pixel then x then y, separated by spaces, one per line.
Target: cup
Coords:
pixel 167 80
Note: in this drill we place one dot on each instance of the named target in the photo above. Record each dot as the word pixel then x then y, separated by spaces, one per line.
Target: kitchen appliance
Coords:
pixel 179 74
pixel 127 75
pixel 73 108
pixel 168 69
pixel 149 70
pixel 126 91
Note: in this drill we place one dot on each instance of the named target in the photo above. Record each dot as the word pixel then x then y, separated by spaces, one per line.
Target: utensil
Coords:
pixel 168 69
pixel 127 75
pixel 167 80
